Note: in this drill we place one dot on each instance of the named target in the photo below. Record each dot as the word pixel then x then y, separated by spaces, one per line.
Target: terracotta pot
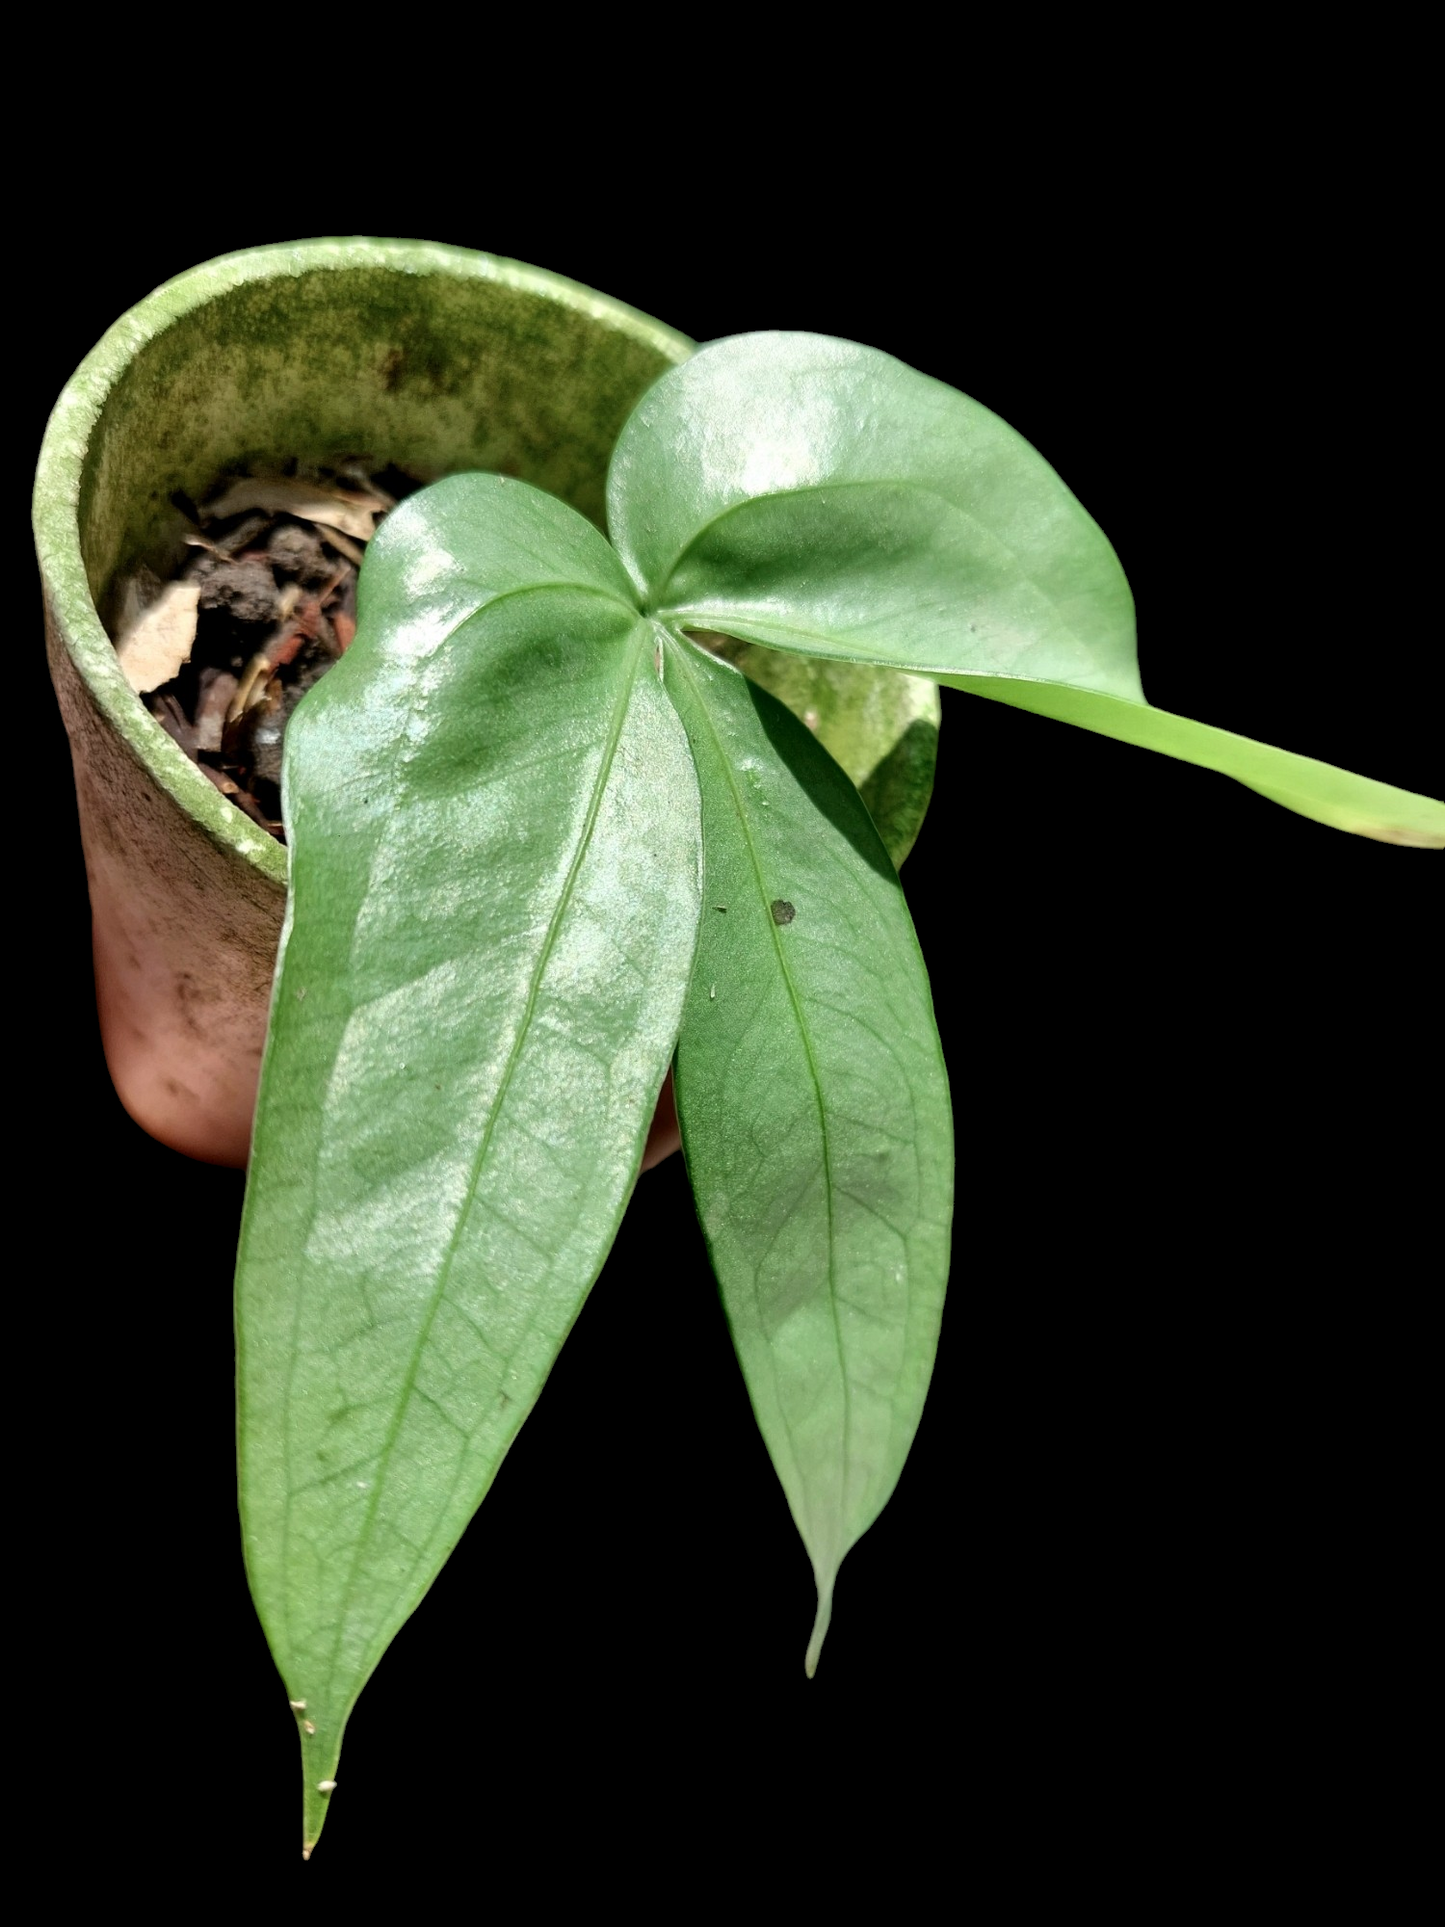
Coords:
pixel 435 358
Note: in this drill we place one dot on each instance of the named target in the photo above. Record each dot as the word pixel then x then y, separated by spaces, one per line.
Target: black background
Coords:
pixel 1153 1552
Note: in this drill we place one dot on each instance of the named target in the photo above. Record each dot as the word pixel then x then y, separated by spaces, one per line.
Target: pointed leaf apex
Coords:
pixel 315 1799
pixel 820 1629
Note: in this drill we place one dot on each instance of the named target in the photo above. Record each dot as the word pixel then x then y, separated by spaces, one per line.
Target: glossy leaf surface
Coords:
pixel 515 811
pixel 813 486
pixel 815 496
pixel 814 1110
pixel 494 827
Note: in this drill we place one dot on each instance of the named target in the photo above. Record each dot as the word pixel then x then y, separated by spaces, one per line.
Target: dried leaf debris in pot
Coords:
pixel 153 646
pixel 262 606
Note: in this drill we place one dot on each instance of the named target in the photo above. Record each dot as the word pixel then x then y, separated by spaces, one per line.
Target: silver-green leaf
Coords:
pixel 815 496
pixel 814 1110
pixel 495 836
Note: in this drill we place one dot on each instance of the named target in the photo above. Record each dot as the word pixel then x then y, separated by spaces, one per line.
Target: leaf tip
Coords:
pixel 1410 838
pixel 820 1629
pixel 315 1796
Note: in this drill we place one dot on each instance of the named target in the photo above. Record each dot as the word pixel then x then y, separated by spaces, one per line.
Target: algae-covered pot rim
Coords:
pixel 67 448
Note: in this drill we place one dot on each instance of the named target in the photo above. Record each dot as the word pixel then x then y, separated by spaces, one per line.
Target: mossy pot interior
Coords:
pixel 434 358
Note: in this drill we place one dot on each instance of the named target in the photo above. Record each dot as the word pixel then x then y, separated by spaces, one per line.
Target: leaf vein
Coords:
pixel 439 1291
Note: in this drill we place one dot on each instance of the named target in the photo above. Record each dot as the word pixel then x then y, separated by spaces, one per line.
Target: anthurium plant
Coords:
pixel 552 834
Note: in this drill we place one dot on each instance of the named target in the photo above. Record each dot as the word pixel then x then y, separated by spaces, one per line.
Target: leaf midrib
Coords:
pixel 619 716
pixel 819 645
pixel 656 603
pixel 448 634
pixel 813 1076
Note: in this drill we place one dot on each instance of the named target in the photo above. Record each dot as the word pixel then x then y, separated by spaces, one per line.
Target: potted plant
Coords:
pixel 783 910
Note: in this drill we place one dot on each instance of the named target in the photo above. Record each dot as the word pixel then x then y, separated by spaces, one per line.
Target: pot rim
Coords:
pixel 63 453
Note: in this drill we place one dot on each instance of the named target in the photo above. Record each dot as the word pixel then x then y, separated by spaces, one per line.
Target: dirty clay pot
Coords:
pixel 435 358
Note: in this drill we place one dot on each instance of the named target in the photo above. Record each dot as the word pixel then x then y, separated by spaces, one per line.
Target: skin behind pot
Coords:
pixel 431 357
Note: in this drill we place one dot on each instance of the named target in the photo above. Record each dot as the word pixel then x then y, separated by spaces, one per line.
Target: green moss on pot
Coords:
pixel 431 357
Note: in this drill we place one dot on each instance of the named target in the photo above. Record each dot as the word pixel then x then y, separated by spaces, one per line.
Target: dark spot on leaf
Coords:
pixel 783 911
